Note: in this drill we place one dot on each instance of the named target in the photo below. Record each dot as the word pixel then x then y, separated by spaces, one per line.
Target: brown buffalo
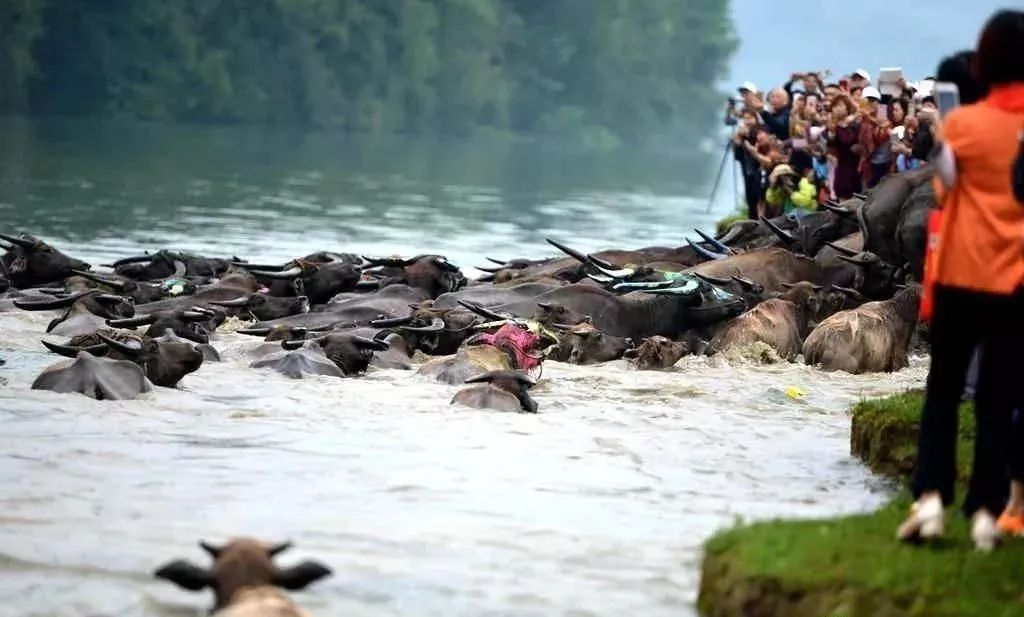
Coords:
pixel 873 337
pixel 245 580
pixel 502 390
pixel 658 352
pixel 29 261
pixel 585 344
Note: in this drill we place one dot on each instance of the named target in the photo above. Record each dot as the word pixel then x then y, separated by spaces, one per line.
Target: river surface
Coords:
pixel 598 505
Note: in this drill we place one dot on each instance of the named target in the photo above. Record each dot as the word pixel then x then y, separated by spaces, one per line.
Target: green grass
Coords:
pixel 725 223
pixel 853 566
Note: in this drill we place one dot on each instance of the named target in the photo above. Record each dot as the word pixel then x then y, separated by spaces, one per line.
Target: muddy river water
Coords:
pixel 598 505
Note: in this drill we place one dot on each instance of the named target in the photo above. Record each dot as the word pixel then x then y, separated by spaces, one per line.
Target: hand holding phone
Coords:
pixel 947 97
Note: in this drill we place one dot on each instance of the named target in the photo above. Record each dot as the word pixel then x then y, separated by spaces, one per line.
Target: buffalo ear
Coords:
pixel 185 574
pixel 297 577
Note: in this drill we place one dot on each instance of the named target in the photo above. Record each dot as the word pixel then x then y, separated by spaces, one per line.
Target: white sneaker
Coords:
pixel 984 531
pixel 926 521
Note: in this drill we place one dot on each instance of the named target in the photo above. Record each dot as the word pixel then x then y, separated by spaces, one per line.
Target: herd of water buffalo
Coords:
pixel 836 287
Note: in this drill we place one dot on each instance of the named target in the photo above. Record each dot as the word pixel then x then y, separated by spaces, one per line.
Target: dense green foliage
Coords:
pixel 598 70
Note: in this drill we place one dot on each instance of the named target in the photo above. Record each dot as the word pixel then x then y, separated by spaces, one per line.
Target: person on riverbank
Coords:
pixel 978 296
pixel 842 132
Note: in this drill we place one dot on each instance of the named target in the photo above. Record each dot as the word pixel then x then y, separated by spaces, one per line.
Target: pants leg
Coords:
pixel 752 190
pixel 954 335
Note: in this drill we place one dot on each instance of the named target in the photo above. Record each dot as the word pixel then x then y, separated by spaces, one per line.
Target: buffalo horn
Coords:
pixel 489 269
pixel 436 325
pixel 612 272
pixel 194 315
pixel 483 312
pixel 116 345
pixel 642 286
pixel 233 303
pixel 861 196
pixel 490 376
pixel 248 266
pixel 23 243
pixel 293 345
pixel 254 331
pixel 597 261
pixel 487 278
pixel 392 322
pixel 745 283
pixel 284 274
pixel 495 261
pixel 110 298
pixel 842 249
pixel 132 322
pixel 703 252
pixel 672 291
pixel 835 209
pixel 72 352
pixel 368 284
pixel 846 291
pixel 712 280
pixel 369 343
pixel 716 244
pixel 49 305
pixel 783 235
pixel 212 550
pixel 119 285
pixel 731 234
pixel 277 549
pixel 578 256
pixel 131 260
pixel 391 262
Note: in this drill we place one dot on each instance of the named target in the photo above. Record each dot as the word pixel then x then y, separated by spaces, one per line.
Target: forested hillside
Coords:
pixel 600 71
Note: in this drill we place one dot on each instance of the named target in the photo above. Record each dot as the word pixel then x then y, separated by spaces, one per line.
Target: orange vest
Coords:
pixel 983 224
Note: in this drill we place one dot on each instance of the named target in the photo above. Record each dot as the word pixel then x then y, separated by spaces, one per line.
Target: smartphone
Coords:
pixel 883 112
pixel 947 97
pixel 888 78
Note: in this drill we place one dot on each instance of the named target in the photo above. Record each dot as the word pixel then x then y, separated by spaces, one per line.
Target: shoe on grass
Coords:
pixel 926 520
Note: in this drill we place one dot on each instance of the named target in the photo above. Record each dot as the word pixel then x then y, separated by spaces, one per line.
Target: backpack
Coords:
pixel 1017 176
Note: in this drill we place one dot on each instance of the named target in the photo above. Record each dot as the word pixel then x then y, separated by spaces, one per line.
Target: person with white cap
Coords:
pixel 876 145
pixel 748 95
pixel 860 79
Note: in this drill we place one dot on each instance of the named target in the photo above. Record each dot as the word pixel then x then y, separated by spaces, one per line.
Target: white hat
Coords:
pixel 748 85
pixel 863 74
pixel 871 92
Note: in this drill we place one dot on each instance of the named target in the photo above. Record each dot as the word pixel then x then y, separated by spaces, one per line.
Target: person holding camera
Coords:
pixel 842 130
pixel 874 139
pixel 791 190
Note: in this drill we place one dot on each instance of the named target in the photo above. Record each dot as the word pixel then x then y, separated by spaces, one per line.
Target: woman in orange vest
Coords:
pixel 978 295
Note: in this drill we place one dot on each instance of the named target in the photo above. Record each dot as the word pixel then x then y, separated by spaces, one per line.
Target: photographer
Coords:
pixel 791 190
pixel 874 139
pixel 744 142
pixel 734 109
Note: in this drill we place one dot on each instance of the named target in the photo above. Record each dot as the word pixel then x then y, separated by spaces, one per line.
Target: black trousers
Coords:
pixel 753 189
pixel 961 321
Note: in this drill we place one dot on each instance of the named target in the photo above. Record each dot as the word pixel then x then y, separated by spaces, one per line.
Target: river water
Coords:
pixel 596 506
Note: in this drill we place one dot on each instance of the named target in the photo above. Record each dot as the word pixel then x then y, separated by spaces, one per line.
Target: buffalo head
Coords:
pixel 263 307
pixel 30 261
pixel 502 390
pixel 658 352
pixel 242 563
pixel 349 352
pixel 431 273
pixel 585 344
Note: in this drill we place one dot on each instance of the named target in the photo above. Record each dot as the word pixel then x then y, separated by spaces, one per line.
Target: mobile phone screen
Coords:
pixel 946 99
pixel 883 112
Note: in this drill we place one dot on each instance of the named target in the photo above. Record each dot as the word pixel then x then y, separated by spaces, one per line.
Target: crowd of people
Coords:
pixel 813 139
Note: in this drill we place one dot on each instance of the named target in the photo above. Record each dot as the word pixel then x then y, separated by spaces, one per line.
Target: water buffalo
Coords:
pixel 434 331
pixel 349 352
pixel 164 263
pixel 585 344
pixel 550 313
pixel 29 261
pixel 495 296
pixel 431 273
pixel 512 346
pixel 307 360
pixel 84 311
pixel 658 352
pixel 667 309
pixel 874 337
pixel 813 230
pixel 195 324
pixel 886 209
pixel 317 281
pixel 97 378
pixel 261 306
pixel 502 390
pixel 139 291
pixel 779 323
pixel 244 578
pixel 164 360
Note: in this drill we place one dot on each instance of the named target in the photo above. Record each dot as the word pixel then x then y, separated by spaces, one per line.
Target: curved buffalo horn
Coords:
pixel 487 278
pixel 436 325
pixel 22 242
pixel 703 252
pixel 712 280
pixel 496 261
pixel 745 283
pixel 489 269
pixel 369 343
pixel 72 352
pixel 233 303
pixel 293 345
pixel 783 235
pixel 673 291
pixel 132 322
pixel 254 331
pixel 842 249
pixel 194 315
pixel 847 291
pixel 248 266
pixel 578 256
pixel 110 298
pixel 282 275
pixel 547 306
pixel 490 376
pixel 788 285
pixel 717 245
pixel 52 291
pixel 96 278
pixel 392 322
pixel 116 345
pixel 483 312
pixel 180 269
pixel 49 305
pixel 611 272
pixel 731 234
pixel 131 260
pixel 835 209
pixel 212 550
pixel 391 262
pixel 597 261
pixel 277 549
pixel 642 286
pixel 861 196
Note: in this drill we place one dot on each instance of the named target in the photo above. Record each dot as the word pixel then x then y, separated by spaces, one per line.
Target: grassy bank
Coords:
pixel 853 566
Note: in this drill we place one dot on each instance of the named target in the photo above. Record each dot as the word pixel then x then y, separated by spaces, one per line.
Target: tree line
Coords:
pixel 599 71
